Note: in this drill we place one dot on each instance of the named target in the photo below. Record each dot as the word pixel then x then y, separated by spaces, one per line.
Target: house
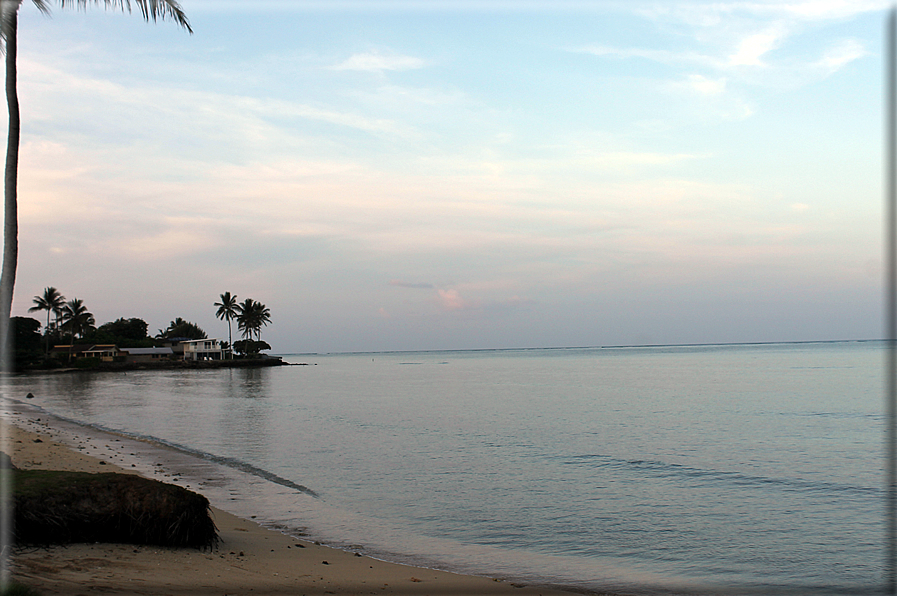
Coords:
pixel 137 355
pixel 64 351
pixel 105 352
pixel 202 349
pixel 175 344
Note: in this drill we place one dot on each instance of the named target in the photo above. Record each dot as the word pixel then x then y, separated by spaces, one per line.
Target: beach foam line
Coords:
pixel 156 441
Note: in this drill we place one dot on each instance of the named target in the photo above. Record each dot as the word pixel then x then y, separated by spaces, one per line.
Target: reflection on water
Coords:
pixel 231 408
pixel 246 410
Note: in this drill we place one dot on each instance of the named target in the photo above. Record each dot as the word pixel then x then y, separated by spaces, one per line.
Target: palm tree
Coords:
pixel 227 310
pixel 244 318
pixel 76 318
pixel 51 301
pixel 251 317
pixel 9 17
pixel 261 318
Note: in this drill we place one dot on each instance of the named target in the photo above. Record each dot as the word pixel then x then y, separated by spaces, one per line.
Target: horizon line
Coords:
pixel 593 347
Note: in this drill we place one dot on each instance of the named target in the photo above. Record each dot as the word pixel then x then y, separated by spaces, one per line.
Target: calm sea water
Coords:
pixel 727 468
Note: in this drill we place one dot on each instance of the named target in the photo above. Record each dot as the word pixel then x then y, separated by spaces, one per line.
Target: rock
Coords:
pixel 6 462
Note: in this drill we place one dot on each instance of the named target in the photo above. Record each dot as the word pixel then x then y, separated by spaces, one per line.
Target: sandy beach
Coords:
pixel 250 559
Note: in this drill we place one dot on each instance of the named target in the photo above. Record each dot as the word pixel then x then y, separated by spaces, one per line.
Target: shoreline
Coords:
pixel 270 361
pixel 251 558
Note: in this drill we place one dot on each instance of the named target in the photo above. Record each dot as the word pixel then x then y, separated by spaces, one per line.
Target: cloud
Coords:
pixel 617 160
pixel 451 299
pixel 711 14
pixel 704 86
pixel 416 286
pixel 753 47
pixel 828 9
pixel 709 97
pixel 840 55
pixel 377 62
pixel 662 56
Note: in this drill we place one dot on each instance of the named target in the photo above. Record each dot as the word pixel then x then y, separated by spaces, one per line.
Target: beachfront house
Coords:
pixel 104 352
pixel 139 355
pixel 202 349
pixel 64 351
pixel 176 345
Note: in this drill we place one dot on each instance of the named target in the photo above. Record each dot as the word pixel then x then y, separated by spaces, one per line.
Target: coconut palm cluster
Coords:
pixel 70 317
pixel 250 315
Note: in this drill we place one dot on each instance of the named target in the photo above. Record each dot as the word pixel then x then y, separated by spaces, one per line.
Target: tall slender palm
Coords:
pixel 227 310
pixel 9 16
pixel 52 302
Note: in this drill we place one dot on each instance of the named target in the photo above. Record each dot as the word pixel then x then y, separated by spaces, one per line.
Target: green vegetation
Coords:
pixel 14 588
pixel 179 328
pixel 251 317
pixel 24 331
pixel 65 507
pixel 124 333
pixel 76 319
pixel 52 302
pixel 250 347
pixel 227 310
pixel 74 329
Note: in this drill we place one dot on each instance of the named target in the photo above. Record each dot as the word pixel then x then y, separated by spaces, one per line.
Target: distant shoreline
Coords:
pixel 168 365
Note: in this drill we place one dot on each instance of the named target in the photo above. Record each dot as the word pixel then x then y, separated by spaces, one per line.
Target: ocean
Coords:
pixel 720 469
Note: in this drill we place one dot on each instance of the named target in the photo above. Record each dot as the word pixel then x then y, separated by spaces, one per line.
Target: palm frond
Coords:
pixel 42 6
pixel 156 10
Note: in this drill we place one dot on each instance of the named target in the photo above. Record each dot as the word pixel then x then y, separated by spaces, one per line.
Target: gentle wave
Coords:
pixel 229 462
pixel 661 469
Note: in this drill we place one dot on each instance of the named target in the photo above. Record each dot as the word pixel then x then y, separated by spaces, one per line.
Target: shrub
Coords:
pixel 63 507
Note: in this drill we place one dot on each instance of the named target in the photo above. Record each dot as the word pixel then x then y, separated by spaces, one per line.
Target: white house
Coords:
pixel 202 349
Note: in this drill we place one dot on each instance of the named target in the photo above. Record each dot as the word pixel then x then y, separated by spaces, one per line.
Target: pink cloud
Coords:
pixel 452 300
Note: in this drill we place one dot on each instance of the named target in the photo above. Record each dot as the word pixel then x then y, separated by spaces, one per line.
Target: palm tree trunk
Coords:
pixel 8 27
pixel 230 340
pixel 9 15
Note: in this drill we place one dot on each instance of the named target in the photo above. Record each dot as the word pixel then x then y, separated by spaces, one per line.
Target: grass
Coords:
pixel 54 507
pixel 14 588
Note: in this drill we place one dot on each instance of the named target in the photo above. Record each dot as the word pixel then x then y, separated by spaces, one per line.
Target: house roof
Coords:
pixel 76 349
pixel 145 351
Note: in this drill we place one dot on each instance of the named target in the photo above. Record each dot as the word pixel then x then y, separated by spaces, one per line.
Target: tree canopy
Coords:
pixel 76 319
pixel 251 317
pixel 181 328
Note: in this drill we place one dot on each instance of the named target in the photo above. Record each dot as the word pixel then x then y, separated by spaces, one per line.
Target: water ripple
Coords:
pixel 661 469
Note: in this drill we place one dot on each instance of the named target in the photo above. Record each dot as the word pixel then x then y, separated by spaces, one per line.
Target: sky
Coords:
pixel 461 175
